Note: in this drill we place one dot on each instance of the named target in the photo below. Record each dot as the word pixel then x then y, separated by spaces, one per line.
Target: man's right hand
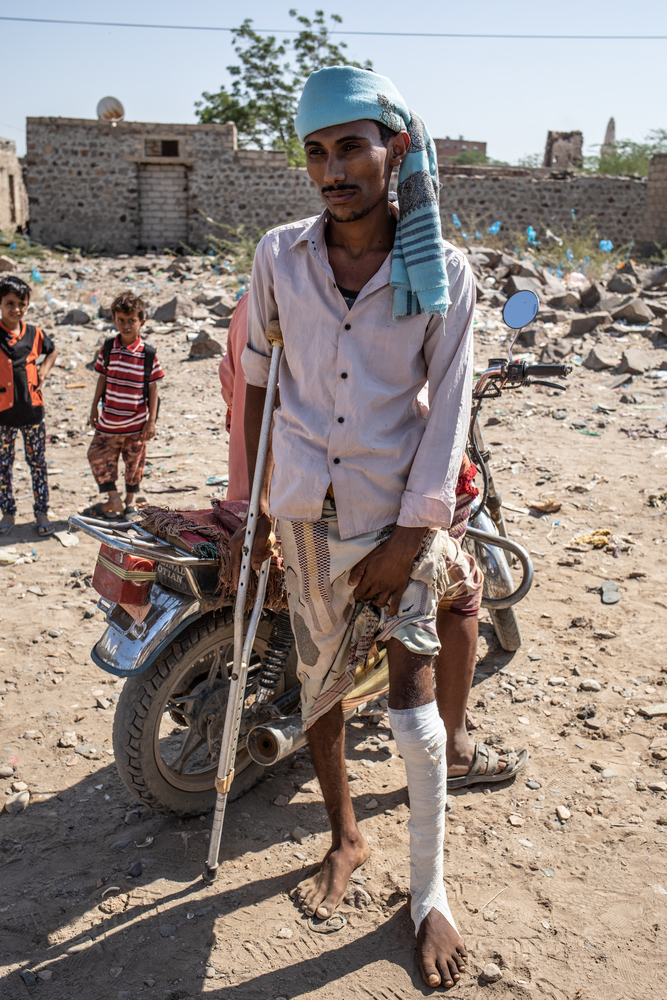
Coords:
pixel 93 419
pixel 261 549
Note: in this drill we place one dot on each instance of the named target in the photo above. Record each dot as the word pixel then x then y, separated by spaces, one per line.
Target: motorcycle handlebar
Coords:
pixel 547 371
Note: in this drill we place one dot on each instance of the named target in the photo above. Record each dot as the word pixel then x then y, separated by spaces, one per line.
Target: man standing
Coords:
pixel 372 305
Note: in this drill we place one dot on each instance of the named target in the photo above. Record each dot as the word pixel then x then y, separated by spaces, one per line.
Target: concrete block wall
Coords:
pixel 655 213
pixel 13 195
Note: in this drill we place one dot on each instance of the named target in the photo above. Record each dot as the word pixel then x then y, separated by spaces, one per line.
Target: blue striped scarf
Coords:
pixel 340 94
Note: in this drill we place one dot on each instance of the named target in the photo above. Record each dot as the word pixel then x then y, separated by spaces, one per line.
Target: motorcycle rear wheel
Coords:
pixel 507 628
pixel 148 724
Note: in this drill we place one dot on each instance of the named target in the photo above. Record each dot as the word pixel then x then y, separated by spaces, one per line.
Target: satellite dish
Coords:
pixel 110 109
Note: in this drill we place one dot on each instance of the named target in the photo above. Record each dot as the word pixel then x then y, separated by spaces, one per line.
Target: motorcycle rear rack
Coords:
pixel 115 534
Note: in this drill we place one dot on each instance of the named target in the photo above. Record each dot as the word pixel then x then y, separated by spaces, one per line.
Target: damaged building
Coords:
pixel 13 196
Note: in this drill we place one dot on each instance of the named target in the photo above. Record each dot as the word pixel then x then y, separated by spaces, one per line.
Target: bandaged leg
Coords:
pixel 421 739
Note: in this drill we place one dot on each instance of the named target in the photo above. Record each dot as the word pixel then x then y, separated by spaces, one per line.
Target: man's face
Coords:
pixel 129 326
pixel 351 166
pixel 13 310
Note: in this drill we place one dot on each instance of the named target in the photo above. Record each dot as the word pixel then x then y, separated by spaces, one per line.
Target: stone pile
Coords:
pixel 589 319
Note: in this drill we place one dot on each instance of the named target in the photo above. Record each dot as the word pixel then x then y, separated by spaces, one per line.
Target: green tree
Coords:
pixel 628 157
pixel 265 87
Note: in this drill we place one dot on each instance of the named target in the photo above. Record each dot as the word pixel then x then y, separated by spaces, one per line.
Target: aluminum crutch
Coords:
pixel 243 650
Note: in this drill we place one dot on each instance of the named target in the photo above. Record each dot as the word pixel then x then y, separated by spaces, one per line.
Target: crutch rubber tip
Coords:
pixel 210 872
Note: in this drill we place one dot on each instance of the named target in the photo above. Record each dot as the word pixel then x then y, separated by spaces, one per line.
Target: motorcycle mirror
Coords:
pixel 520 309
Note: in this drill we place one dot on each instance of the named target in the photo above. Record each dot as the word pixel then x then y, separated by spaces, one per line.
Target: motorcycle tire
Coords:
pixel 143 752
pixel 508 631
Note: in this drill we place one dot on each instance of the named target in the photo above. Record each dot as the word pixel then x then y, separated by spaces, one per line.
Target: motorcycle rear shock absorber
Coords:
pixel 280 645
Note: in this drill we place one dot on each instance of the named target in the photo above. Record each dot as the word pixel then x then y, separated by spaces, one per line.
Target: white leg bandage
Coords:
pixel 421 739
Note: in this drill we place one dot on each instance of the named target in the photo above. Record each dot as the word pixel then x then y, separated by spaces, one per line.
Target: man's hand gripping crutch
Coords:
pixel 243 649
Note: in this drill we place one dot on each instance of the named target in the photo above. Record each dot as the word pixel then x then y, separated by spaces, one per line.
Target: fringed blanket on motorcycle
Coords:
pixel 207 533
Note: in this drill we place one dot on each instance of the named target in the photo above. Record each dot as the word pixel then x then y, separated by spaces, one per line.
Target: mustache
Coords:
pixel 340 187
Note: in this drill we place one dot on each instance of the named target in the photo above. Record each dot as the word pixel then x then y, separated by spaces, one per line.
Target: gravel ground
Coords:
pixel 558 877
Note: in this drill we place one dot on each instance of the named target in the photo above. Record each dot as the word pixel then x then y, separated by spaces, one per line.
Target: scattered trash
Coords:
pixel 330 926
pixel 610 593
pixel 546 506
pixel 66 539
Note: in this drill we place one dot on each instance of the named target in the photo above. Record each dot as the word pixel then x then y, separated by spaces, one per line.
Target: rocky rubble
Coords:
pixel 556 879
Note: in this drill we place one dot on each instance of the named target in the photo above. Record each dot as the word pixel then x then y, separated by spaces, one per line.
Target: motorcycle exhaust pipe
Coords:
pixel 272 741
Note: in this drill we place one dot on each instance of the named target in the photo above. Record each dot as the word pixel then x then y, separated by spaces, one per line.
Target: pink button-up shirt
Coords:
pixel 349 380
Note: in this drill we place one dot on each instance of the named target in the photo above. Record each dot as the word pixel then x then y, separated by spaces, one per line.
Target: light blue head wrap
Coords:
pixel 340 94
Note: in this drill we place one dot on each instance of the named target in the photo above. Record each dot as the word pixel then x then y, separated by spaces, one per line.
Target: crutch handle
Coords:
pixel 274 334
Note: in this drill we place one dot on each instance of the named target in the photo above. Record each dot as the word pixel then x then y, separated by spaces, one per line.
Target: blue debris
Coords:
pixel 494 227
pixel 531 234
pixel 455 220
pixel 36 276
pixel 569 255
pixel 606 246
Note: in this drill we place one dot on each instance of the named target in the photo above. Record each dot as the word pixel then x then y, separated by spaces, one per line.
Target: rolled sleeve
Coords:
pixel 424 512
pixel 255 367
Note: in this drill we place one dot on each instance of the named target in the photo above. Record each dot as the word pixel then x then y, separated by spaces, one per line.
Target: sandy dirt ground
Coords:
pixel 559 877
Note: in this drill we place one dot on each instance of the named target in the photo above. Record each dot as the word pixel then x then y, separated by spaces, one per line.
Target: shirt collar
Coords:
pixel 314 234
pixel 314 238
pixel 133 347
pixel 13 335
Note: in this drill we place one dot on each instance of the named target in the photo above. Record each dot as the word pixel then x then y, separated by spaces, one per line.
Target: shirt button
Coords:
pixel 336 461
pixel 341 420
pixel 344 375
pixel 348 326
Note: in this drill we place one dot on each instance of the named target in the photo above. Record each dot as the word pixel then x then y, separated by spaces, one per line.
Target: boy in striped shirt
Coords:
pixel 128 390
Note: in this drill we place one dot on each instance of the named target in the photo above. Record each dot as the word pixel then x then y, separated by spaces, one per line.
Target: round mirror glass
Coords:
pixel 521 309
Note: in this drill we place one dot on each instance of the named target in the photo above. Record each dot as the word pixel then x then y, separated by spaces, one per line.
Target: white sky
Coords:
pixel 509 93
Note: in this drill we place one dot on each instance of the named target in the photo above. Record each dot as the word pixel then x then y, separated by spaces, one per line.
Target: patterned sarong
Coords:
pixel 334 634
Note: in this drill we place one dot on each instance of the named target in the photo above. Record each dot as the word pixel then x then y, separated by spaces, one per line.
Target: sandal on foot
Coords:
pixel 101 514
pixel 130 509
pixel 45 529
pixel 484 768
pixel 6 528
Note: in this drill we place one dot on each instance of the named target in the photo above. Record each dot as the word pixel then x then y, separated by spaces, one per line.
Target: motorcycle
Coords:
pixel 184 707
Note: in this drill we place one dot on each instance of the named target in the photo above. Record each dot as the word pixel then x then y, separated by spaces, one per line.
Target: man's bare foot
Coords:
pixel 440 951
pixel 320 894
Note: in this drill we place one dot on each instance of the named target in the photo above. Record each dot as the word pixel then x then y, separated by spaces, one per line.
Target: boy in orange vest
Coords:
pixel 21 402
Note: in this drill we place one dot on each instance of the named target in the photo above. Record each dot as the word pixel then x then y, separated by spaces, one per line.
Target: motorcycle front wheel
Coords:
pixel 165 754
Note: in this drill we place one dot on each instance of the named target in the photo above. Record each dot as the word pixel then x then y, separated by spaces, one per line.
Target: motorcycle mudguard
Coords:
pixel 498 580
pixel 127 647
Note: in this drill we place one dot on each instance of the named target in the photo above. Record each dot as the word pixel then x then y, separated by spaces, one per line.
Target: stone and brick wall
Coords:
pixel 655 212
pixel 106 186
pixel 115 187
pixel 519 197
pixel 13 196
